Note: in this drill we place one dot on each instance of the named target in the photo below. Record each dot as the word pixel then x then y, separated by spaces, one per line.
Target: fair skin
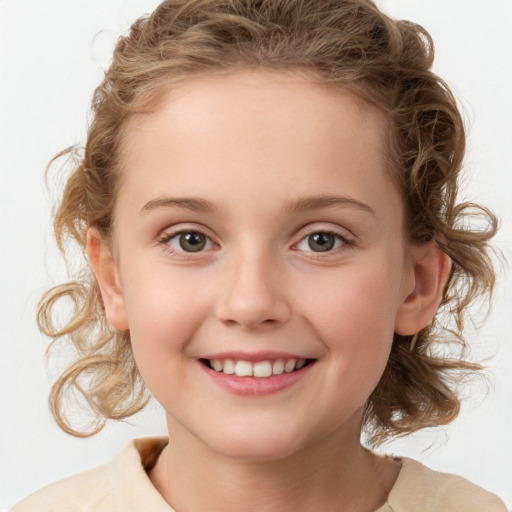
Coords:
pixel 246 232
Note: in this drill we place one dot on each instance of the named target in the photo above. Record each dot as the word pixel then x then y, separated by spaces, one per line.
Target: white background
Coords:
pixel 52 56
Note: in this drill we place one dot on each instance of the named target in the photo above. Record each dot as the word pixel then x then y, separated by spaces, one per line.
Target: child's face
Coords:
pixel 256 221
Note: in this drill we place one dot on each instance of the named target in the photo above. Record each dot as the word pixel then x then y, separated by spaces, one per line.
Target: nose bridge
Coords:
pixel 253 293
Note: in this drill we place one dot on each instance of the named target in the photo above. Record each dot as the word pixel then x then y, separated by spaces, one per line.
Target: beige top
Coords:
pixel 123 485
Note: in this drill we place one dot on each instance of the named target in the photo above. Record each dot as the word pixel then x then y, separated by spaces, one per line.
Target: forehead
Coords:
pixel 238 98
pixel 254 127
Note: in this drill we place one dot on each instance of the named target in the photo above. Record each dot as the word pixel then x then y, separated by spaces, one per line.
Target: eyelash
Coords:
pixel 344 242
pixel 167 237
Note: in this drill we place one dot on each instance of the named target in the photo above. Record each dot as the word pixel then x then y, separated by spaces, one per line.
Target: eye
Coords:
pixel 188 241
pixel 321 241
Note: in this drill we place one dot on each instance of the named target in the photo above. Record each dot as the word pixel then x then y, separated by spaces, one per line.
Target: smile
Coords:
pixel 260 369
pixel 256 374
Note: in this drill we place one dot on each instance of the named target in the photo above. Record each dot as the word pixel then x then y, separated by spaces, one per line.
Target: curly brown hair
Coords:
pixel 348 44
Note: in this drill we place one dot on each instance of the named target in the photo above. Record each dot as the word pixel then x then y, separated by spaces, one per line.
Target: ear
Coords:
pixel 431 269
pixel 107 276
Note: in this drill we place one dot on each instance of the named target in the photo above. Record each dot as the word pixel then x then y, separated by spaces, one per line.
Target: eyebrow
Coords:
pixel 324 201
pixel 187 203
pixel 195 204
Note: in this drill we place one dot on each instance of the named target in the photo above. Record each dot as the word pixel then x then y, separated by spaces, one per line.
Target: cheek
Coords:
pixel 357 302
pixel 163 315
pixel 353 314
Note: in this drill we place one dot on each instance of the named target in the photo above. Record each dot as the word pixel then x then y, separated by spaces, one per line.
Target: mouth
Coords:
pixel 264 369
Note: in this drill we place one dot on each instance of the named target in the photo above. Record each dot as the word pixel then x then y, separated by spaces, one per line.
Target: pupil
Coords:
pixel 321 242
pixel 192 241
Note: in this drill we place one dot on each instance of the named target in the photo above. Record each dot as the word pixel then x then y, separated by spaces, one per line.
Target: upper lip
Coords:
pixel 254 357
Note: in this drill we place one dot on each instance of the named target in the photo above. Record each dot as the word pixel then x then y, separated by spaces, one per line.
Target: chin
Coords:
pixel 256 444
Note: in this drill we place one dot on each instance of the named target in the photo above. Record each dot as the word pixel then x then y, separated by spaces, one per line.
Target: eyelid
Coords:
pixel 347 238
pixel 172 232
pixel 340 241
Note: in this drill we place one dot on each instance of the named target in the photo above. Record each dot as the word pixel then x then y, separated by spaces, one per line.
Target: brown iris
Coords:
pixel 321 242
pixel 192 241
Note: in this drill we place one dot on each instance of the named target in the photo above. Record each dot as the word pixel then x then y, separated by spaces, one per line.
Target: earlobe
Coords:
pixel 431 269
pixel 106 273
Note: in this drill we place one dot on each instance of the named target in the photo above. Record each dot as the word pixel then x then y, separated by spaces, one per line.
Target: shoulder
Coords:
pixel 84 491
pixel 421 489
pixel 120 485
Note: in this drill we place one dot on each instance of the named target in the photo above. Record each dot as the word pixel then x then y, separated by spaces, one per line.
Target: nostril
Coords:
pixel 252 303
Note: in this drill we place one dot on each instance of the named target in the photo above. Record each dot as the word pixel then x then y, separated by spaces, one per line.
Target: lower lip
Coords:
pixel 256 386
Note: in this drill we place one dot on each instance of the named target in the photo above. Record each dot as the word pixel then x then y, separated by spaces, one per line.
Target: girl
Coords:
pixel 267 201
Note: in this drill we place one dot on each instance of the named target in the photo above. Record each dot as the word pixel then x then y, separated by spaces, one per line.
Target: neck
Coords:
pixel 332 474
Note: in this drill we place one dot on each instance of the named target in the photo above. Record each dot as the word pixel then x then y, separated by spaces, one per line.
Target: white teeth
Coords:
pixel 290 366
pixel 278 367
pixel 243 369
pixel 229 366
pixel 217 365
pixel 260 369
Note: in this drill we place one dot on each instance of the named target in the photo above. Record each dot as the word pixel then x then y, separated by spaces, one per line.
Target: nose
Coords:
pixel 253 295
